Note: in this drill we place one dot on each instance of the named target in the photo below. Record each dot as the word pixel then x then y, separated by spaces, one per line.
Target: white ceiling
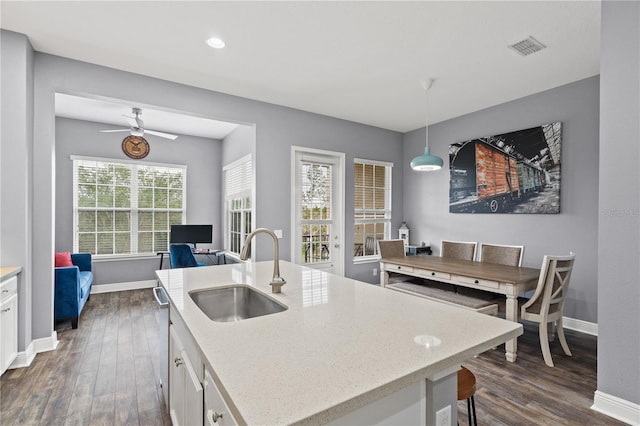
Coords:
pixel 112 112
pixel 360 61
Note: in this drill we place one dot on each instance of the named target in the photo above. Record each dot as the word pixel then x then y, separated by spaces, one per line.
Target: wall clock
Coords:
pixel 135 147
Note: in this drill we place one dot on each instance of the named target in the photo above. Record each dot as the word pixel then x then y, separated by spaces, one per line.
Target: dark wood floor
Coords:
pixel 528 392
pixel 105 373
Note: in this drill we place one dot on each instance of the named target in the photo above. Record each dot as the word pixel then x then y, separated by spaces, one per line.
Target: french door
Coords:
pixel 318 209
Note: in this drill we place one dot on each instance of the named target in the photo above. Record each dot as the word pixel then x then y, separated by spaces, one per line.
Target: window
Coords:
pixel 315 208
pixel 372 206
pixel 124 208
pixel 238 189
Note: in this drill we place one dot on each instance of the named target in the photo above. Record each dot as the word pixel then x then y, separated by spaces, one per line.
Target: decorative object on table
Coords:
pixel 135 147
pixel 403 233
pixel 516 172
pixel 547 303
pixel 427 162
pixel 416 250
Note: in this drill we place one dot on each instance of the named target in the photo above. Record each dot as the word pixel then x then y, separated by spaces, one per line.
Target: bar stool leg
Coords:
pixel 473 405
pixel 469 409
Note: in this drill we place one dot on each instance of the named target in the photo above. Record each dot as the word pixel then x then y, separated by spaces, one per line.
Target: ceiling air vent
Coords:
pixel 527 46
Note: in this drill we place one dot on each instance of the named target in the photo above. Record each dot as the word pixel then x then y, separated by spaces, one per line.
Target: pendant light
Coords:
pixel 427 162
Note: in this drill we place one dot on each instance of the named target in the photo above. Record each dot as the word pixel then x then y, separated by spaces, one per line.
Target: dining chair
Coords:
pixel 501 254
pixel 391 248
pixel 547 303
pixel 369 246
pixel 182 257
pixel 458 250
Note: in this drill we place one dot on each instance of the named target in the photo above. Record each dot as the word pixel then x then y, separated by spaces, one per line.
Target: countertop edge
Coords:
pixel 7 272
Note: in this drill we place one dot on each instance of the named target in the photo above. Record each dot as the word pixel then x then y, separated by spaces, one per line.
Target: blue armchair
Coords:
pixel 73 287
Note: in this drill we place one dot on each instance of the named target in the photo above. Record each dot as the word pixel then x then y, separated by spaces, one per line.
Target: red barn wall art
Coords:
pixel 516 172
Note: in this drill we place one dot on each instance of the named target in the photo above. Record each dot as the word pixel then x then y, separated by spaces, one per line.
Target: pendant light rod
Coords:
pixel 427 162
pixel 426 85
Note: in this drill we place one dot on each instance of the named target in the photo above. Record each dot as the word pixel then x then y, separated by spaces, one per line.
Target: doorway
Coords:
pixel 317 209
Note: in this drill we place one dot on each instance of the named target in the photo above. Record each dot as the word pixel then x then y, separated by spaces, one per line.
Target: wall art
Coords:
pixel 516 172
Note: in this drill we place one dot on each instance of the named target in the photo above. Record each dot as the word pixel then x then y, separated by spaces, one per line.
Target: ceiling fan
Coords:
pixel 137 127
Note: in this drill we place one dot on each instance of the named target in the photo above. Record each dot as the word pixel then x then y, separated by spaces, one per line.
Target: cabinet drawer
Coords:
pixel 477 281
pixel 434 274
pixel 400 268
pixel 216 412
pixel 8 288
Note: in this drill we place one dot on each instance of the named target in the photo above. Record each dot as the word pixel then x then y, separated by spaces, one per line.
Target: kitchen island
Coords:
pixel 342 352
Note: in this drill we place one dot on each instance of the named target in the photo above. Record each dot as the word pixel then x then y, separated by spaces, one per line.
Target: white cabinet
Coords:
pixel 194 398
pixel 216 412
pixel 8 322
pixel 186 392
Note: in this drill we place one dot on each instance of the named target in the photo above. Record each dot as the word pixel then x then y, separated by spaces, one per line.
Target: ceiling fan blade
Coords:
pixel 161 134
pixel 112 131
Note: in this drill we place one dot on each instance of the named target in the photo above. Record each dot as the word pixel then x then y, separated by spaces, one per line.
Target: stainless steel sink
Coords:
pixel 235 303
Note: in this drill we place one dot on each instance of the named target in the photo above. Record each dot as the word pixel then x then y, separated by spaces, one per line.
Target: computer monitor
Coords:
pixel 191 234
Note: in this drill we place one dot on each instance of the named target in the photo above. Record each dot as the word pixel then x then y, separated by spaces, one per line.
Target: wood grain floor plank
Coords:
pixel 102 410
pixel 126 411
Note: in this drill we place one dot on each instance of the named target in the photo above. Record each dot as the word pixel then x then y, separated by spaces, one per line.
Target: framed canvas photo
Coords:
pixel 516 172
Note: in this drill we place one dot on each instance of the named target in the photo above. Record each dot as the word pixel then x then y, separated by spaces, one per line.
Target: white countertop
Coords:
pixel 9 271
pixel 339 346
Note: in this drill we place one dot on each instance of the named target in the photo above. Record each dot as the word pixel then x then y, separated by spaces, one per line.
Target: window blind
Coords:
pixel 372 205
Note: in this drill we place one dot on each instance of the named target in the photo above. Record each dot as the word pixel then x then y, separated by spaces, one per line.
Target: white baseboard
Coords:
pixel 617 408
pixel 133 285
pixel 25 358
pixel 580 325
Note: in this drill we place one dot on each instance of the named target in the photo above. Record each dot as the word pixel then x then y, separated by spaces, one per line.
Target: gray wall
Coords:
pixel 15 162
pixel 619 218
pixel 277 128
pixel 201 156
pixel 426 195
pixel 274 140
pixel 240 142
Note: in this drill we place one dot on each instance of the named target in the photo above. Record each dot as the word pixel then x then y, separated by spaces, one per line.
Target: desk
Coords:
pixel 501 279
pixel 207 252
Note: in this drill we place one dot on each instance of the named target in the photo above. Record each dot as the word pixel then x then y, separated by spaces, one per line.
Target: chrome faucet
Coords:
pixel 277 281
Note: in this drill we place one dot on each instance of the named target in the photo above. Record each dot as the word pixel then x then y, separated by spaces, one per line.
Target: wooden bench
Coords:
pixel 446 296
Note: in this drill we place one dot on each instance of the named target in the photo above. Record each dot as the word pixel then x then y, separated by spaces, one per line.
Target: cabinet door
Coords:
pixel 8 332
pixel 185 390
pixel 216 412
pixel 193 394
pixel 176 379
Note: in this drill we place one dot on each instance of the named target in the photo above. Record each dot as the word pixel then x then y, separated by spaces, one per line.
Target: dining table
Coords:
pixel 506 280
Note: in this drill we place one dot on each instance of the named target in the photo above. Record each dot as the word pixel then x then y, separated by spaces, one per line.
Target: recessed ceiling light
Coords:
pixel 216 43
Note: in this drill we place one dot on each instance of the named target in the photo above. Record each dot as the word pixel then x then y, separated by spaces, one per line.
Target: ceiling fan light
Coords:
pixel 216 43
pixel 426 162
